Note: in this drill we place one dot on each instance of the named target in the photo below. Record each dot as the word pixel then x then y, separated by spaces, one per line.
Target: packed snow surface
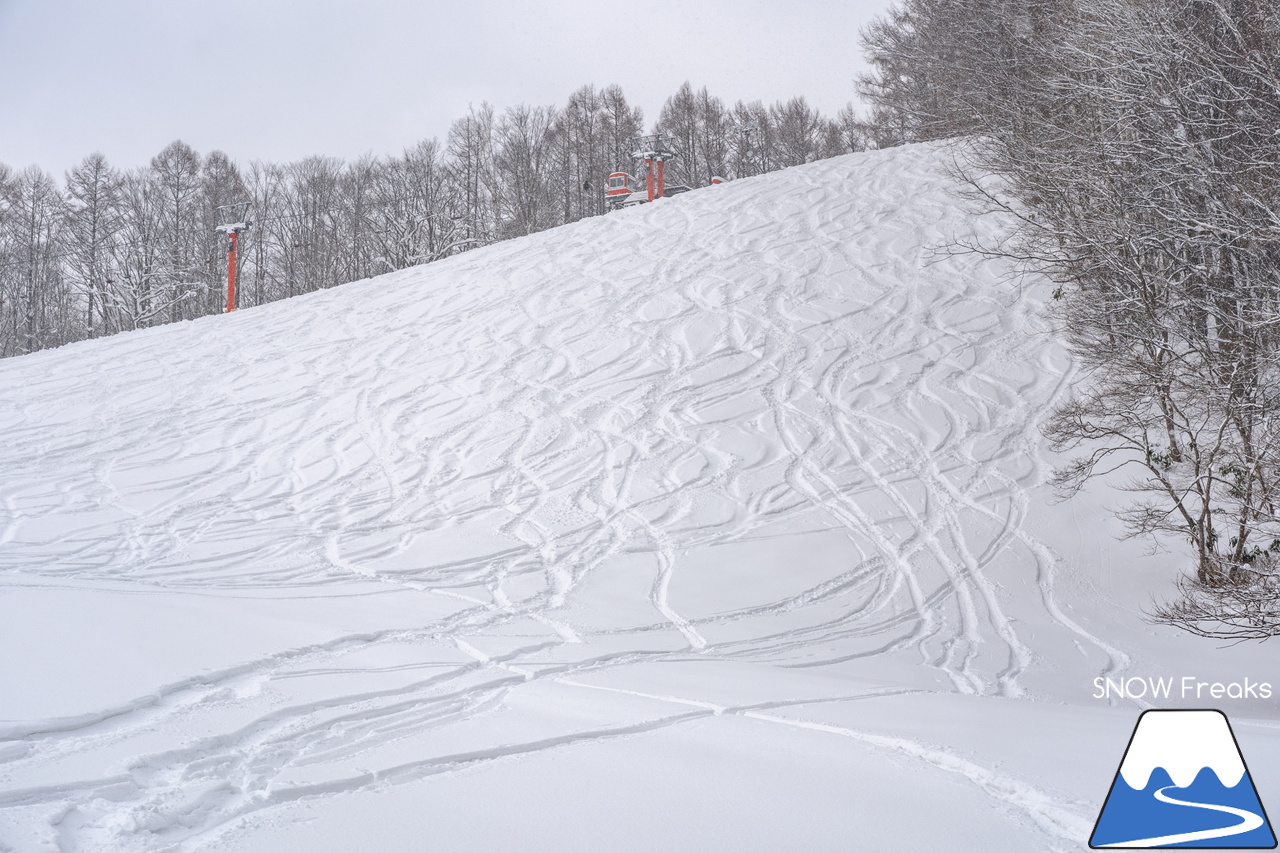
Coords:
pixel 719 523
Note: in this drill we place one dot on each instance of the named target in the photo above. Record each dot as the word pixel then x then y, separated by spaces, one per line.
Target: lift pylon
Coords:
pixel 233 230
pixel 654 149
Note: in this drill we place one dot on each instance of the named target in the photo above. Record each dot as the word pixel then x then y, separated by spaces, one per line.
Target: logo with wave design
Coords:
pixel 1183 783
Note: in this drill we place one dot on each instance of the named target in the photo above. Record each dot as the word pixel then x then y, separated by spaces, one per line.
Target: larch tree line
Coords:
pixel 1136 144
pixel 109 250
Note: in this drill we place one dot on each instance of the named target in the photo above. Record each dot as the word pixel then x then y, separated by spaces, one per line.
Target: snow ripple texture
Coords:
pixel 770 429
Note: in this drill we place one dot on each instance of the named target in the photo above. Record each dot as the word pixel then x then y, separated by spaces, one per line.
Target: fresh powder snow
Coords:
pixel 720 523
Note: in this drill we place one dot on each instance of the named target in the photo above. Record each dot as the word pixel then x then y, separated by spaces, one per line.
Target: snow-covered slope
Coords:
pixel 714 524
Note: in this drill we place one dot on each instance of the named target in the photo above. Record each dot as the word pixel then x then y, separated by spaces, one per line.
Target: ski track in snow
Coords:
pixel 498 431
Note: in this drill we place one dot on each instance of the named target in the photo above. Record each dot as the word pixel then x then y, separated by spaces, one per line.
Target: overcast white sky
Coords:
pixel 283 79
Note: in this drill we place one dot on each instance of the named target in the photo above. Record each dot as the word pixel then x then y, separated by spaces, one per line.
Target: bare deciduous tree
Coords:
pixel 136 248
pixel 1135 144
pixel 92 223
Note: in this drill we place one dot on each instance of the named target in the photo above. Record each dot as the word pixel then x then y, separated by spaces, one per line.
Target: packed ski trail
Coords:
pixel 754 463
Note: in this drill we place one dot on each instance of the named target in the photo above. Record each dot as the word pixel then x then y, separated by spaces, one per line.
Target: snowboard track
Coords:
pixel 585 416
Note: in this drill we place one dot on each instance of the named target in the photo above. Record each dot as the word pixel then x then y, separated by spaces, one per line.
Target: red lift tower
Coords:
pixel 655 150
pixel 233 230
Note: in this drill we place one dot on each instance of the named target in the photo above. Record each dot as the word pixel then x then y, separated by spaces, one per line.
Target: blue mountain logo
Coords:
pixel 1183 783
